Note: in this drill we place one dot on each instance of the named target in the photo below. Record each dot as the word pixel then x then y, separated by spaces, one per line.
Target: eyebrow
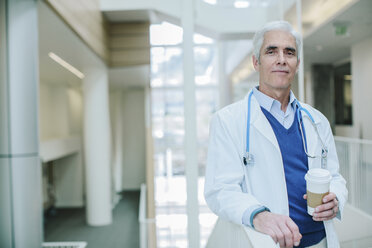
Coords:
pixel 291 49
pixel 275 47
pixel 271 48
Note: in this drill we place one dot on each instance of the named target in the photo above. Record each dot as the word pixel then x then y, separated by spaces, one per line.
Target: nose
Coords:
pixel 281 59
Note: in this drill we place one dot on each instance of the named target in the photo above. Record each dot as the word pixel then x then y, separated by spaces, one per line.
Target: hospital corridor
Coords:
pixel 106 106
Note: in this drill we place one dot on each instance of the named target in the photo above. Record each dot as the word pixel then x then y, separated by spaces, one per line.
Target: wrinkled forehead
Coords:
pixel 278 38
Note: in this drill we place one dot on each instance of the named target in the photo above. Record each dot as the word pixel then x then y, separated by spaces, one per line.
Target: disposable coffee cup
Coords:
pixel 317 186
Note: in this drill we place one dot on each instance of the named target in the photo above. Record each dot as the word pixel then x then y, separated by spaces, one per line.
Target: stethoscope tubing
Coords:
pixel 299 108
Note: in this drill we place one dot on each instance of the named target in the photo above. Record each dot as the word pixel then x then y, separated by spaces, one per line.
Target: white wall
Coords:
pixel 134 146
pixel 361 61
pixel 68 176
pixel 60 116
pixel 60 111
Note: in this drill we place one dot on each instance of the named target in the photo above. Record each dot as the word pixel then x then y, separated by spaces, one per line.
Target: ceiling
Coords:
pixel 218 19
pixel 323 46
pixel 56 37
pixel 129 16
pixel 148 14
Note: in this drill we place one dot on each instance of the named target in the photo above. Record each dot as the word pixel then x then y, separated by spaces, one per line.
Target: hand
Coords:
pixel 281 228
pixel 328 210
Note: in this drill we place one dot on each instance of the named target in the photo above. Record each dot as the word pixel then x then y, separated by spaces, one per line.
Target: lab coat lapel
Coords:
pixel 260 122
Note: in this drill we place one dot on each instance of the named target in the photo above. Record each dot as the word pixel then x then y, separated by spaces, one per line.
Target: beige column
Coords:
pixel 150 175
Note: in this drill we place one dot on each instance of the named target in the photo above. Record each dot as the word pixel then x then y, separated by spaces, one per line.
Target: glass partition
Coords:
pixel 169 132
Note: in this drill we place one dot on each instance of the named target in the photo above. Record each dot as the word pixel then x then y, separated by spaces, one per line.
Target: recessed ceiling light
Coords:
pixel 213 2
pixel 66 65
pixel 241 4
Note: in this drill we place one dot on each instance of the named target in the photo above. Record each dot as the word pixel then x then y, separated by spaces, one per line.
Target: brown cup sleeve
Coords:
pixel 314 199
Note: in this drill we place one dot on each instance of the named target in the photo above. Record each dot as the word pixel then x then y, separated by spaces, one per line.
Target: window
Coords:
pixel 169 131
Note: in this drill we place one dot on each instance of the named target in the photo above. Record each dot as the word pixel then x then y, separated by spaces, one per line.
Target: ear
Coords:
pixel 298 65
pixel 255 62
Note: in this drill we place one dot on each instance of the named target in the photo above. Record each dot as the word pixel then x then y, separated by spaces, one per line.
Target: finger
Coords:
pixel 330 197
pixel 279 236
pixel 336 202
pixel 288 235
pixel 296 235
pixel 324 214
pixel 305 196
pixel 335 210
pixel 325 207
pixel 324 219
pixel 320 219
pixel 333 213
pixel 272 235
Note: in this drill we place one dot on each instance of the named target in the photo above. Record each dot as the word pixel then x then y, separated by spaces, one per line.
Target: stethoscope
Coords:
pixel 248 159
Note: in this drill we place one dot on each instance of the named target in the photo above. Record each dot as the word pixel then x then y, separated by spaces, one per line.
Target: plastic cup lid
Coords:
pixel 318 175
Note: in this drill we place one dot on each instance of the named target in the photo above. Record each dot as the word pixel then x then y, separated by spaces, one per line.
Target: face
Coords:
pixel 278 61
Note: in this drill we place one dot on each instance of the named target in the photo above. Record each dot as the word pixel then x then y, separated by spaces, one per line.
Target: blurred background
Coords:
pixel 105 108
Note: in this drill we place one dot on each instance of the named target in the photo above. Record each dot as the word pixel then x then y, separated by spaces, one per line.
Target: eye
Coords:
pixel 290 53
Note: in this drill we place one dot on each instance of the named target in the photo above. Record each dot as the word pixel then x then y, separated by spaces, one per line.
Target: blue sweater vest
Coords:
pixel 295 167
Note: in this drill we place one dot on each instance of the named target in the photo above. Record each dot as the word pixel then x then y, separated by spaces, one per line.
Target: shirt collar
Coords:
pixel 267 102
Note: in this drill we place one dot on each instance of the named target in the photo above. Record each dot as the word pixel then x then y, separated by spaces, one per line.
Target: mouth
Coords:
pixel 281 71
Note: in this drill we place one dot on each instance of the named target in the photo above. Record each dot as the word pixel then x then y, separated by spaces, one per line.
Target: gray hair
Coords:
pixel 276 25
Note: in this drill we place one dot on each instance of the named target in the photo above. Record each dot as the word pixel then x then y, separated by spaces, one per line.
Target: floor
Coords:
pixel 69 225
pixel 359 243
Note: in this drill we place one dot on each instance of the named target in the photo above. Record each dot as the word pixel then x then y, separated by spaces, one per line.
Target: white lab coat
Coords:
pixel 231 187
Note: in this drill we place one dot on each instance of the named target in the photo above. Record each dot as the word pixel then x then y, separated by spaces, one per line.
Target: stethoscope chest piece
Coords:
pixel 248 159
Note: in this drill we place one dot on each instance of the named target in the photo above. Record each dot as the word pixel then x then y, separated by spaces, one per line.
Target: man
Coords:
pixel 269 194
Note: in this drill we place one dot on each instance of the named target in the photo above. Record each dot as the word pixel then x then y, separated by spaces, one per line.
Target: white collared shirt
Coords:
pixel 274 107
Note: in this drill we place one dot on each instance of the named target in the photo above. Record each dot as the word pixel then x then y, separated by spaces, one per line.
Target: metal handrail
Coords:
pixel 353 140
pixel 355 158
